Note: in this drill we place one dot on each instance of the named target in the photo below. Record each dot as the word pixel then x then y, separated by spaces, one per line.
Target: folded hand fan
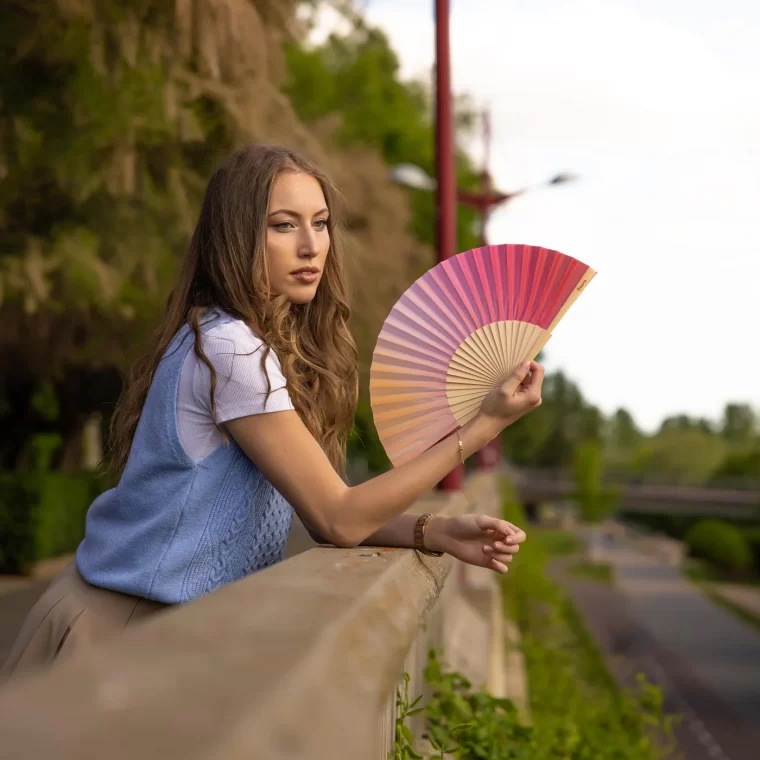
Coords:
pixel 458 332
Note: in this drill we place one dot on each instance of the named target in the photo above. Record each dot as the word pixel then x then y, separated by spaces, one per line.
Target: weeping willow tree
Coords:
pixel 113 114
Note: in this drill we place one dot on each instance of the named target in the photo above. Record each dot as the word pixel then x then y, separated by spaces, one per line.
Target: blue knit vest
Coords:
pixel 173 529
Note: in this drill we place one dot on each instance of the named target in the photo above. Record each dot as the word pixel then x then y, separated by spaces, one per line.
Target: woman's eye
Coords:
pixel 322 224
pixel 283 226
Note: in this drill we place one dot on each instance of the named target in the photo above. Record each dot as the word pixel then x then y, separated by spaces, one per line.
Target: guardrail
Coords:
pixel 650 479
pixel 739 504
pixel 300 660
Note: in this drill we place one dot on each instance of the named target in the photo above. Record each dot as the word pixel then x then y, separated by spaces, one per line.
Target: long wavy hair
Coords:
pixel 226 267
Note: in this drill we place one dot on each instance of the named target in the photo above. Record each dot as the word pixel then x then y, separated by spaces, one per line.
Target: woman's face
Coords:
pixel 297 236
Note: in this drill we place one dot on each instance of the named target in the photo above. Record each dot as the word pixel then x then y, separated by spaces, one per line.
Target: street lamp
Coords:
pixel 411 175
pixel 416 178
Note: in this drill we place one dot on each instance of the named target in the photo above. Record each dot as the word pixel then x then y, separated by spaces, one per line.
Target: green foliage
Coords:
pixel 742 463
pixel 471 724
pixel 42 515
pixel 682 423
pixel 105 148
pixel 91 202
pixel 547 437
pixel 356 77
pixel 594 498
pixel 364 441
pixel 595 571
pixel 578 711
pixel 18 501
pixel 621 438
pixel 739 424
pixel 687 456
pixel 41 449
pixel 721 544
pixel 403 744
pixel 45 403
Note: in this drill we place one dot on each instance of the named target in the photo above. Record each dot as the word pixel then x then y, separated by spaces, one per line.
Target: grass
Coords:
pixel 705 576
pixel 578 711
pixel 558 543
pixel 594 571
pixel 745 615
pixel 703 572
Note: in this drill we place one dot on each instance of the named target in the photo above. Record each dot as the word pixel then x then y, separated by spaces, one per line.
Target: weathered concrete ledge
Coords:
pixel 297 661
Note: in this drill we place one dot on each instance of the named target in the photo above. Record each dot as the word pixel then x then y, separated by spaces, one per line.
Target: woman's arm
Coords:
pixel 477 539
pixel 291 459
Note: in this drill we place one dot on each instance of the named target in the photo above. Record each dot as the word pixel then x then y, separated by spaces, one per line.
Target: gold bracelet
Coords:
pixel 419 535
pixel 461 447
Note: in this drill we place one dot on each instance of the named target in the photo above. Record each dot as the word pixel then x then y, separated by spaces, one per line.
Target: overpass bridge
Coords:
pixel 731 499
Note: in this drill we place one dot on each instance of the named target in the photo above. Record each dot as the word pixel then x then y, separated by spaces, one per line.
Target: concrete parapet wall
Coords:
pixel 298 661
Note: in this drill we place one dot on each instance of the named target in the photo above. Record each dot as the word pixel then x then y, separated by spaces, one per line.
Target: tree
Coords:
pixel 594 499
pixel 113 116
pixel 739 424
pixel 621 437
pixel 548 435
pixel 355 77
pixel 739 465
pixel 682 422
pixel 685 456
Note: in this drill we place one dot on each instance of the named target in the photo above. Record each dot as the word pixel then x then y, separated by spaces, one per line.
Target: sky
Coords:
pixel 655 104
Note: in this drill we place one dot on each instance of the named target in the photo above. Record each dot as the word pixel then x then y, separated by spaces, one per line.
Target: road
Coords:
pixel 706 661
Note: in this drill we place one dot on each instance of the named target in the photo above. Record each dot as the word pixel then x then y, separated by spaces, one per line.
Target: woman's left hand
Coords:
pixel 476 539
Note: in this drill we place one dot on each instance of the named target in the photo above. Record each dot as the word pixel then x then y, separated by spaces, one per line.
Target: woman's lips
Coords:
pixel 305 276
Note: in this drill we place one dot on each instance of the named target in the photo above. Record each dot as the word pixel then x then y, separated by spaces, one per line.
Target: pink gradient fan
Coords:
pixel 458 332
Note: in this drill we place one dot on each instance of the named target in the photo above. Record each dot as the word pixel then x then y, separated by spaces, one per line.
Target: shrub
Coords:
pixel 42 515
pixel 753 539
pixel 721 544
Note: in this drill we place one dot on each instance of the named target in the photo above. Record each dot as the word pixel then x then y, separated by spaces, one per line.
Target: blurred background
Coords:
pixel 621 132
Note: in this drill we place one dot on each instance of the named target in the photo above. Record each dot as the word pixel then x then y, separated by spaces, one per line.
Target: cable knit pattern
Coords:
pixel 175 528
pixel 247 530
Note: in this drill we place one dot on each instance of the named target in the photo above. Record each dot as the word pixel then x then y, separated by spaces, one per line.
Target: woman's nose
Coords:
pixel 307 245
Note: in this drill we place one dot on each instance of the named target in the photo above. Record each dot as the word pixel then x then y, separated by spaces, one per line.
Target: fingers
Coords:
pixel 523 387
pixel 516 378
pixel 488 523
pixel 537 372
pixel 500 567
pixel 517 538
pixel 500 548
pixel 504 530
pixel 532 390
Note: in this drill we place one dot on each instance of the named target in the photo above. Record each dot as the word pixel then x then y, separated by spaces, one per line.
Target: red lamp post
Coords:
pixel 447 194
pixel 444 158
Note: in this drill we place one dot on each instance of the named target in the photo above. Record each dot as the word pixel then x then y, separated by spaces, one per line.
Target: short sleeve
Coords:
pixel 241 384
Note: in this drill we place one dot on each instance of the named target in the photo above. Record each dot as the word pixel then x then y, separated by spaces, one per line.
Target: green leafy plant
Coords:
pixel 403 744
pixel 469 723
pixel 42 515
pixel 594 499
pixel 722 544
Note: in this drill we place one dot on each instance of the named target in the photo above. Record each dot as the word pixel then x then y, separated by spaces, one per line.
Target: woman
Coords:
pixel 239 414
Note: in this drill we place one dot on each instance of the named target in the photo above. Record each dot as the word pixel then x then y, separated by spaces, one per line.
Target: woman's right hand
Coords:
pixel 520 393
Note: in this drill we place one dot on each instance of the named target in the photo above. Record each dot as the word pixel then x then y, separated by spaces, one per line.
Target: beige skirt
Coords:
pixel 71 615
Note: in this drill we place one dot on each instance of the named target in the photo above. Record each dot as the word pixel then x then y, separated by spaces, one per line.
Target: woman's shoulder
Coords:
pixel 234 331
pixel 233 343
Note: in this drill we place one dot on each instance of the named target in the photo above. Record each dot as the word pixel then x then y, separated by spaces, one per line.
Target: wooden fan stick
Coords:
pixel 577 290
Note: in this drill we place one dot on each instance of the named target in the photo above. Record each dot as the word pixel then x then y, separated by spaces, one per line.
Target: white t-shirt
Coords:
pixel 241 387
